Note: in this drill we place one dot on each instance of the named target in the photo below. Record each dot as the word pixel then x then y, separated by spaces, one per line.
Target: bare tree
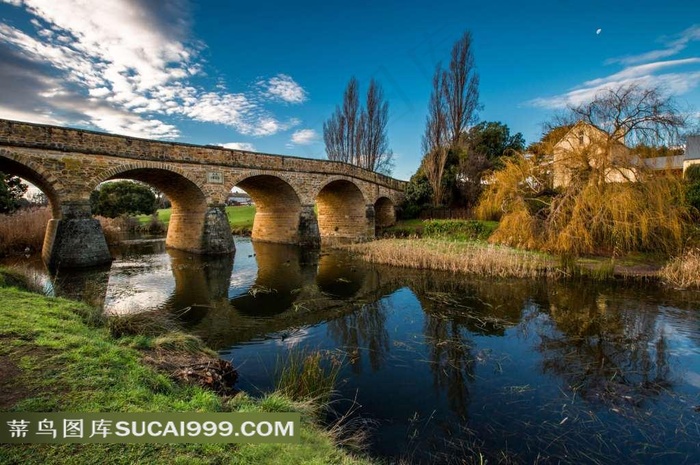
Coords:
pixel 334 135
pixel 375 153
pixel 632 115
pixel 461 89
pixel 340 132
pixel 435 139
pixel 453 104
pixel 351 111
pixel 357 135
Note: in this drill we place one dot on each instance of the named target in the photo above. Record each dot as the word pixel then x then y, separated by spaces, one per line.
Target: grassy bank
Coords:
pixel 54 356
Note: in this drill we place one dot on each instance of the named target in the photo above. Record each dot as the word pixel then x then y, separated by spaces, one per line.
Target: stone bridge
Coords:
pixel 298 201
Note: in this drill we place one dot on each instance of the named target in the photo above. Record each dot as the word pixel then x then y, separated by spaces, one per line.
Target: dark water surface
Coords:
pixel 444 366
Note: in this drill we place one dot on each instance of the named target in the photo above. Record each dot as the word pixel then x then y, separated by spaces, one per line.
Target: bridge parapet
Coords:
pixel 38 136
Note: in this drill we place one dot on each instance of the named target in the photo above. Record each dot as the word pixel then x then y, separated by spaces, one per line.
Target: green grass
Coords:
pixel 404 228
pixel 240 217
pixel 59 363
pixel 457 230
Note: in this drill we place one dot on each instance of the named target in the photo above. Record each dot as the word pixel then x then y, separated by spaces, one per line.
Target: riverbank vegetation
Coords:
pixel 683 272
pixel 23 230
pixel 583 193
pixel 457 256
pixel 57 356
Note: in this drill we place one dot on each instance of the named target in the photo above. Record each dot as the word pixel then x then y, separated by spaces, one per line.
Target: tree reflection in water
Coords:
pixel 363 332
pixel 606 347
pixel 451 360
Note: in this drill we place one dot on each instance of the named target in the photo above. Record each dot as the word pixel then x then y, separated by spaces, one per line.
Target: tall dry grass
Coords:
pixel 465 257
pixel 683 272
pixel 115 229
pixel 306 375
pixel 23 230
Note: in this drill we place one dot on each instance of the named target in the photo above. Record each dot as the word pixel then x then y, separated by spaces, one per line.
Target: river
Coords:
pixel 440 366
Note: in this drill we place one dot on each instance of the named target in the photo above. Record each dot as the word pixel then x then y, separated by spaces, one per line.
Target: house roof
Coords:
pixel 582 123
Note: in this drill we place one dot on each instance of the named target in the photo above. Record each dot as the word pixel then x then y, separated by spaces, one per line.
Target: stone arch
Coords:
pixel 17 165
pixel 384 212
pixel 342 211
pixel 165 172
pixel 241 176
pixel 277 208
pixel 188 202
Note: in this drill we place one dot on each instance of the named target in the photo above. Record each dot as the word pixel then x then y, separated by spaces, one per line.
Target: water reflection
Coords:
pixel 361 334
pixel 607 347
pixel 282 272
pixel 201 283
pixel 550 372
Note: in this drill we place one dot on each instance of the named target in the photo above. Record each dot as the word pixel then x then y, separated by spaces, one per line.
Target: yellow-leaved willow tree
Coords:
pixel 585 191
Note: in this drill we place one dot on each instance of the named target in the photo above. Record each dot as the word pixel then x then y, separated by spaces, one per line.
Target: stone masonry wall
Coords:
pixel 18 134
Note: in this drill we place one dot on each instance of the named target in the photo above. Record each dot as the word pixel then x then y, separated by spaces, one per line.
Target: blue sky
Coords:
pixel 265 75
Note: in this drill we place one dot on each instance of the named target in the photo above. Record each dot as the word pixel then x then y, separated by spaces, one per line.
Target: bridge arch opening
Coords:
pixel 384 213
pixel 187 202
pixel 277 208
pixel 341 211
pixel 36 179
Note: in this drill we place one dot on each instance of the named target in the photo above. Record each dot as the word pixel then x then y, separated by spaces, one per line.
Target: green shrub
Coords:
pixel 463 230
pixel 118 198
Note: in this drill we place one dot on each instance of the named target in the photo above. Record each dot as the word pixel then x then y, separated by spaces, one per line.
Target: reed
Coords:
pixel 153 323
pixel 465 257
pixel 115 229
pixel 23 231
pixel 683 272
pixel 308 376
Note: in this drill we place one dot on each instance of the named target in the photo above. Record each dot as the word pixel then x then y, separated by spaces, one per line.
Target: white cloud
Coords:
pixel 239 146
pixel 120 122
pixel 639 71
pixel 135 59
pixel 28 116
pixel 642 75
pixel 673 47
pixel 304 137
pixel 283 87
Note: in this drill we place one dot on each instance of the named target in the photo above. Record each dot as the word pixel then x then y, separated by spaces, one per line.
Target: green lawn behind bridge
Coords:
pixel 239 217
